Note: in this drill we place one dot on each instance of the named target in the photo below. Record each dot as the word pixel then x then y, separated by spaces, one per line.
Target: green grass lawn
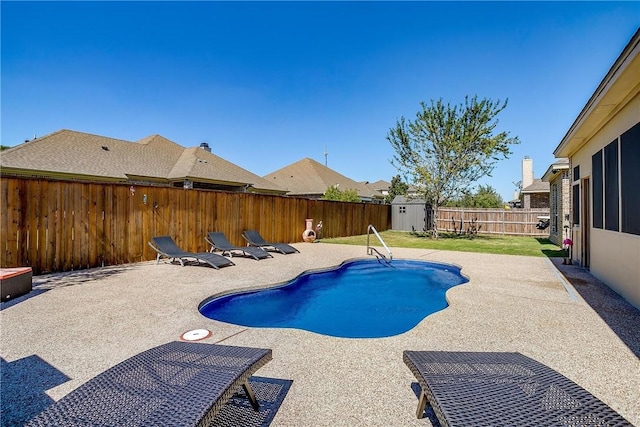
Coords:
pixel 508 245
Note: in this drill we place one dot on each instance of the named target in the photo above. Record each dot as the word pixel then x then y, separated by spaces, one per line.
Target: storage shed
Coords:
pixel 410 214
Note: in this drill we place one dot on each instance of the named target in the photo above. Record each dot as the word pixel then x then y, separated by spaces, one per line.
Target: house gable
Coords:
pixel 309 178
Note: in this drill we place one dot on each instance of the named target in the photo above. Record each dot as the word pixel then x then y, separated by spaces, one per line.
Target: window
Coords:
pixel 554 208
pixel 630 180
pixel 402 209
pixel 575 199
pixel 596 177
pixel 611 195
pixel 575 204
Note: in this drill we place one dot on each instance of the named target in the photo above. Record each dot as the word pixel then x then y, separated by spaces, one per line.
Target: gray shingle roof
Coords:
pixel 538 186
pixel 379 188
pixel 380 185
pixel 88 156
pixel 307 177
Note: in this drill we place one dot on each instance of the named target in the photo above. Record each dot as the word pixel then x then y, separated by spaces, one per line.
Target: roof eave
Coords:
pixel 259 190
pixel 534 191
pixel 553 171
pixel 572 142
pixel 66 176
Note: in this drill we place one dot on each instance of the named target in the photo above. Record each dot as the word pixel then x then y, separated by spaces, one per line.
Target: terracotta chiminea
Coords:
pixel 309 235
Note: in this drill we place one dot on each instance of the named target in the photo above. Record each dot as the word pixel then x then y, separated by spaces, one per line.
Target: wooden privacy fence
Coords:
pixel 516 222
pixel 62 226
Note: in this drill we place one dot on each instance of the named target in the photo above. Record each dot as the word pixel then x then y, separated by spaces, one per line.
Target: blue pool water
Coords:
pixel 358 299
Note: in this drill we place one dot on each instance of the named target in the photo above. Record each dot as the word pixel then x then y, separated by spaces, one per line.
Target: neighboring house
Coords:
pixel 557 176
pixel 380 189
pixel 603 148
pixel 78 156
pixel 310 179
pixel 535 192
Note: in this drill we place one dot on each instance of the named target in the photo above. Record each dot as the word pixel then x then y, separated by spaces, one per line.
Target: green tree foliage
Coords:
pixel 485 197
pixel 398 188
pixel 348 195
pixel 447 148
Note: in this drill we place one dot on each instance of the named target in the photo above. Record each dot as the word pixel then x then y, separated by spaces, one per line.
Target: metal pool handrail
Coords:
pixel 371 249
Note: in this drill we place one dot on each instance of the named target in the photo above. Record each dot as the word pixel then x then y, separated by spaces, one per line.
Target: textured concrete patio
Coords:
pixel 75 325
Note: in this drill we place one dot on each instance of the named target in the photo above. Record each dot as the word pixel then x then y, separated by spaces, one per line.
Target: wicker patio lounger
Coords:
pixel 165 246
pixel 218 241
pixel 492 389
pixel 254 238
pixel 175 384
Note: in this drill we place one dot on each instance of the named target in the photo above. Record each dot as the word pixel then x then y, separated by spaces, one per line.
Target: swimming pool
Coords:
pixel 358 299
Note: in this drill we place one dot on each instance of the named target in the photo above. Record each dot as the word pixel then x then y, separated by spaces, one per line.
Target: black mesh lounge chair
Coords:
pixel 175 384
pixel 254 238
pixel 218 241
pixel 166 247
pixel 491 389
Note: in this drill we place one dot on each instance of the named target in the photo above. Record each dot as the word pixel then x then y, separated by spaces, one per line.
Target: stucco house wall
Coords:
pixel 612 256
pixel 609 243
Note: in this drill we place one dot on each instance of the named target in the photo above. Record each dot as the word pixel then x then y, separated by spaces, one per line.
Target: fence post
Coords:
pixel 503 230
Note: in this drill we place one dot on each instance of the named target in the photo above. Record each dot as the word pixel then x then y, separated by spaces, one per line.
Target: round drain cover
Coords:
pixel 196 335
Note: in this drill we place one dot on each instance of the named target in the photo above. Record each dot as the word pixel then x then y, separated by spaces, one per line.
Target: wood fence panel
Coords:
pixel 32 191
pixel 62 226
pixel 19 211
pixel 292 226
pixel 267 220
pixel 11 235
pixel 161 214
pixel 205 218
pixel 5 254
pixel 63 229
pixel 329 226
pixel 314 211
pixel 56 224
pixel 43 225
pixel 518 222
pixel 173 216
pixel 108 257
pixel 146 222
pixel 327 221
pixel 200 220
pixel 94 224
pixel 284 222
pixel 33 222
pixel 187 238
pixel 128 227
pixel 84 235
pixel 136 243
pixel 220 210
pixel 231 220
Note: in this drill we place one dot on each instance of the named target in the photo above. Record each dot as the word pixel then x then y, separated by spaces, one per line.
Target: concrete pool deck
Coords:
pixel 75 325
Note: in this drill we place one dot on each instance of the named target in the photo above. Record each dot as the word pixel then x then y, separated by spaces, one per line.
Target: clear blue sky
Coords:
pixel 267 84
